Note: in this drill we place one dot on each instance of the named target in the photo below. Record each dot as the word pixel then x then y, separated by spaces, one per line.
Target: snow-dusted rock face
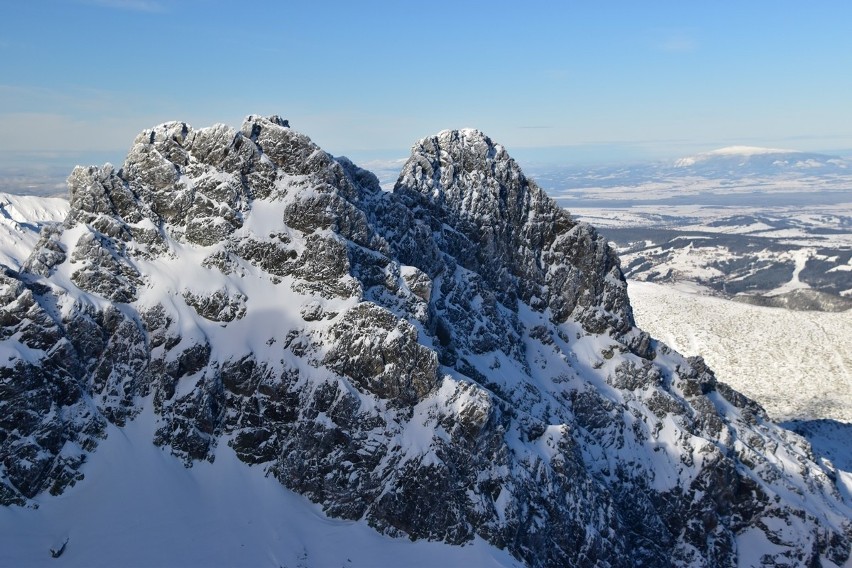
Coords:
pixel 454 358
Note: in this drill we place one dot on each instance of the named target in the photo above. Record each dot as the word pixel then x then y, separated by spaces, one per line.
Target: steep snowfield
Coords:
pixel 798 365
pixel 21 218
pixel 139 506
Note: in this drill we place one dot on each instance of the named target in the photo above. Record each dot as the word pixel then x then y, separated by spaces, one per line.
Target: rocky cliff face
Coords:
pixel 451 359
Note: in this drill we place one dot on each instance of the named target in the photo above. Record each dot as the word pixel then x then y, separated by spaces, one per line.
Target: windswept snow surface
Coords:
pixel 139 506
pixel 798 365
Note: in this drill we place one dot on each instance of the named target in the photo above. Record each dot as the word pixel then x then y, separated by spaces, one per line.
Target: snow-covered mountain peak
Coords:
pixel 452 360
pixel 453 148
pixel 471 135
pixel 465 171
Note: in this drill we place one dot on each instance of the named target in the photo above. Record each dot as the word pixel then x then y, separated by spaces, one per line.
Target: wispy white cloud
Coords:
pixel 132 5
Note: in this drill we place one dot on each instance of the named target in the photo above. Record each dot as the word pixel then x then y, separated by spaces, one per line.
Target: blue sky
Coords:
pixel 589 81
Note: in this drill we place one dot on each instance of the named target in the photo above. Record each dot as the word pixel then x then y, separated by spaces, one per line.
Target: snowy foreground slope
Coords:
pixel 141 507
pixel 454 361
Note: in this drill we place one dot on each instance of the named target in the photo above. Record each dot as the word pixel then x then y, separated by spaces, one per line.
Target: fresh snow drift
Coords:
pixel 455 360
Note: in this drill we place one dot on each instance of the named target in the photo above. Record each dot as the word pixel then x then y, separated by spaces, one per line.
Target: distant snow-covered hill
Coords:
pixel 752 160
pixel 769 226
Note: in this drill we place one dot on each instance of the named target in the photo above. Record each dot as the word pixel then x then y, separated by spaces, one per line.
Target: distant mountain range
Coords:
pixel 751 160
pixel 716 167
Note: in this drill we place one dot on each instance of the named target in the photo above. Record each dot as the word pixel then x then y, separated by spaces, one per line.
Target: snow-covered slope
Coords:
pixel 455 360
pixel 139 507
pixel 798 364
pixel 21 219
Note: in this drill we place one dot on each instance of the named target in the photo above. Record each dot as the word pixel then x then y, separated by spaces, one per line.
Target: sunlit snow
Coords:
pixel 140 507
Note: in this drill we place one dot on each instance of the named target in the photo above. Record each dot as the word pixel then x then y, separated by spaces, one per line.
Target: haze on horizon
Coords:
pixel 571 81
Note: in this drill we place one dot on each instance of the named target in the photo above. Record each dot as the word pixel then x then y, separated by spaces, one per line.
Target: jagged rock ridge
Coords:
pixel 454 358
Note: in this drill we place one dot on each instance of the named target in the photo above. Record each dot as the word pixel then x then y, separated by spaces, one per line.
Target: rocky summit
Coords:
pixel 453 359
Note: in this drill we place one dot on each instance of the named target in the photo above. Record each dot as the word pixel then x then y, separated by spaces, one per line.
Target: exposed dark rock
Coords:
pixel 381 355
pixel 218 306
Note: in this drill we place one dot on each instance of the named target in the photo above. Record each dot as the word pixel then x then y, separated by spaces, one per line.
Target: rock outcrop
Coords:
pixel 455 358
